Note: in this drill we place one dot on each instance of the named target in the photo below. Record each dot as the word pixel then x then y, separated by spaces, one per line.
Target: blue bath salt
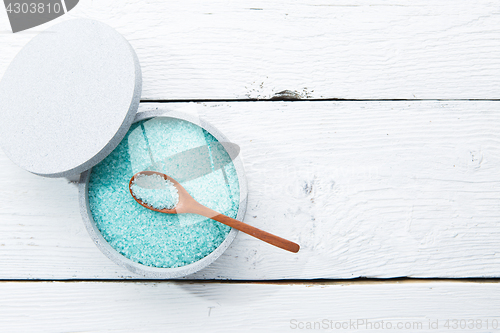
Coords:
pixel 155 191
pixel 152 238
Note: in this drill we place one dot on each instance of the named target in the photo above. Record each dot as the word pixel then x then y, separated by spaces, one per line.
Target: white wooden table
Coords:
pixel 370 134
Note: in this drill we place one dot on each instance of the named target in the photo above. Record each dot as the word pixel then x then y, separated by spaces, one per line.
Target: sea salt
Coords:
pixel 155 191
pixel 153 238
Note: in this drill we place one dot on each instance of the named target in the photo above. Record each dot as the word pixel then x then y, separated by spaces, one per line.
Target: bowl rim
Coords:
pixel 157 272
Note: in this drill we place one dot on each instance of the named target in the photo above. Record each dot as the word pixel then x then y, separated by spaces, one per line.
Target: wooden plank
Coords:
pixel 375 189
pixel 359 49
pixel 216 307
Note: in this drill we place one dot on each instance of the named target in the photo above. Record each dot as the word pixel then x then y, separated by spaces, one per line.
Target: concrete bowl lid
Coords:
pixel 68 98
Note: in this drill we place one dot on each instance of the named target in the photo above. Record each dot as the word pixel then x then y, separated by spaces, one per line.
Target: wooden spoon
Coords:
pixel 187 204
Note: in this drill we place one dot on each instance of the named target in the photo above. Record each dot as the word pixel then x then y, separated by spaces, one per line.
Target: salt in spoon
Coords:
pixel 187 204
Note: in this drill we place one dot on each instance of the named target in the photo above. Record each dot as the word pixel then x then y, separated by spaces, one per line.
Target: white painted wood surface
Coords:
pixel 214 307
pixel 376 189
pixel 359 49
pixel 373 189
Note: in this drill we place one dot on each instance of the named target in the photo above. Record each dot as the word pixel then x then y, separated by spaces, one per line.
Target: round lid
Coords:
pixel 68 98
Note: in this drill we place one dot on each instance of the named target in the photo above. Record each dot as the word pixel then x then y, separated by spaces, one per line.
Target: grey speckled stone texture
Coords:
pixel 68 98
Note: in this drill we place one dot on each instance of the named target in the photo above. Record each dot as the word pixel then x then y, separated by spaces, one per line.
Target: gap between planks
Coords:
pixel 303 282
pixel 313 100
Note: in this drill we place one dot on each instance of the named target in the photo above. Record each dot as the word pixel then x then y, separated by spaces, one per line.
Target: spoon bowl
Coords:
pixel 187 204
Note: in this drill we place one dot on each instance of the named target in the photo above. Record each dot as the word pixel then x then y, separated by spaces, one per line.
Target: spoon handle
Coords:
pixel 252 231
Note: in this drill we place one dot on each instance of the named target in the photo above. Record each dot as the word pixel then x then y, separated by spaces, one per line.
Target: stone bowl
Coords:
pixel 156 272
